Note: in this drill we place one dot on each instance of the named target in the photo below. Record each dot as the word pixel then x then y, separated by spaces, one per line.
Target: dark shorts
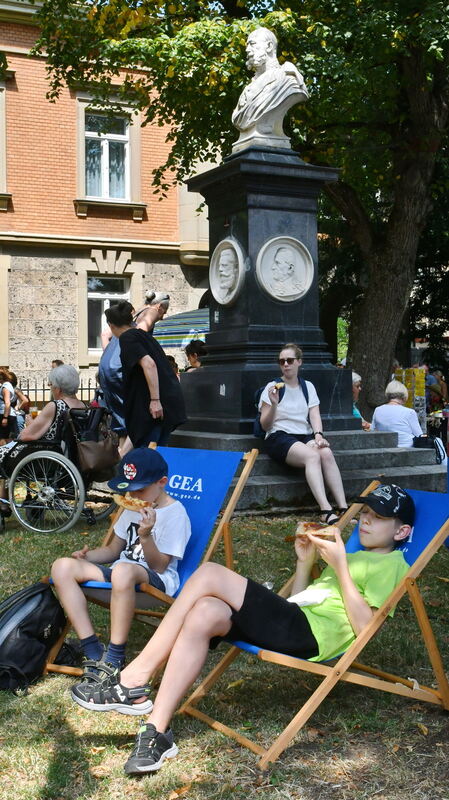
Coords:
pixel 154 578
pixel 271 622
pixel 10 430
pixel 279 443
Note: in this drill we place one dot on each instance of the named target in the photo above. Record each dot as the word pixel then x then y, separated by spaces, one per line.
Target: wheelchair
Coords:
pixel 47 491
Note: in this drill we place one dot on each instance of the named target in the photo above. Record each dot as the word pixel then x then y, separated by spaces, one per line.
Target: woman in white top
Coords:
pixel 395 417
pixel 294 433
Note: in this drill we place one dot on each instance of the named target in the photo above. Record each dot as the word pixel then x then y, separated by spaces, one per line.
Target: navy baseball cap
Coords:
pixel 139 468
pixel 390 500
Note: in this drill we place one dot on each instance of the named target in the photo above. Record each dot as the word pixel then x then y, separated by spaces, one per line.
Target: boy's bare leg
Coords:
pixel 209 617
pixel 67 574
pixel 209 581
pixel 124 578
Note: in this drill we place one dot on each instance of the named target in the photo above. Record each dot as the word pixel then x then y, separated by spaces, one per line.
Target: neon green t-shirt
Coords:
pixel 375 575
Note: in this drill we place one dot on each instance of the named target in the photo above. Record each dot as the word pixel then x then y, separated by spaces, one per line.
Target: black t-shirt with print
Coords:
pixel 134 345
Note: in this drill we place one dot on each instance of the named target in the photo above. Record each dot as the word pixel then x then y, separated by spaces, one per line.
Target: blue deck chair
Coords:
pixel 200 480
pixel 430 530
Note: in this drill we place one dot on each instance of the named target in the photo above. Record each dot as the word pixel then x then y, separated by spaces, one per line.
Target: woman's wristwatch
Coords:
pixel 317 433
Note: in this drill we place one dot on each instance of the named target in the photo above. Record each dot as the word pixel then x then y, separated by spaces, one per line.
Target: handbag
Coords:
pixel 96 451
pixel 432 443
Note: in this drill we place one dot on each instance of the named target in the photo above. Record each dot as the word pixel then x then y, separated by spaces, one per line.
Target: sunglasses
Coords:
pixel 282 361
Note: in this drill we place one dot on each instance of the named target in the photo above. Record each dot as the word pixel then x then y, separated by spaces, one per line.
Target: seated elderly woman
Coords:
pixel 64 383
pixel 395 417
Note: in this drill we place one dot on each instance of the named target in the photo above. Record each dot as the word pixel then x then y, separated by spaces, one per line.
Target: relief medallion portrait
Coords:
pixel 227 271
pixel 284 269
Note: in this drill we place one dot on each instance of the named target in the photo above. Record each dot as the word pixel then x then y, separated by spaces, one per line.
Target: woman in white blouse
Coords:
pixel 294 434
pixel 395 417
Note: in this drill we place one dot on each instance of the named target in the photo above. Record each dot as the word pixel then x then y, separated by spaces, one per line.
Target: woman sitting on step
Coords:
pixel 294 433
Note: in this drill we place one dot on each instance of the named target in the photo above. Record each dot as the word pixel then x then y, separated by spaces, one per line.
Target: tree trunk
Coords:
pixel 389 251
pixel 377 320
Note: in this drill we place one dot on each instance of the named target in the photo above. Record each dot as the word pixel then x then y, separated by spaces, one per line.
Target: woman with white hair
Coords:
pixel 64 383
pixel 395 417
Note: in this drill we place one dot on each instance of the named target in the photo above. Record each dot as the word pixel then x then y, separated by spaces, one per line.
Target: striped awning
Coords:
pixel 179 329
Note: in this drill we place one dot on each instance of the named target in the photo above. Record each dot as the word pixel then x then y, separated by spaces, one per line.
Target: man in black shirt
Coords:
pixel 153 402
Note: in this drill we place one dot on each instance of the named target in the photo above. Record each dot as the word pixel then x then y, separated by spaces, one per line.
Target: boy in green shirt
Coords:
pixel 217 602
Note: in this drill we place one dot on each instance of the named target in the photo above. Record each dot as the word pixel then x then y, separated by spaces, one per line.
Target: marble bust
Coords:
pixel 264 102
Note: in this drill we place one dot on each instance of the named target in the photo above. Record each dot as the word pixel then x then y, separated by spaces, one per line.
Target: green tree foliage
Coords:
pixel 3 65
pixel 429 304
pixel 379 93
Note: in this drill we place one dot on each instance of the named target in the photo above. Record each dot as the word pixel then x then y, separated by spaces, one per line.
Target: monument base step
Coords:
pixel 267 492
pixel 362 457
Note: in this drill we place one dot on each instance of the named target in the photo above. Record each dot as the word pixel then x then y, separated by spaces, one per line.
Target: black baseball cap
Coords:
pixel 139 468
pixel 390 500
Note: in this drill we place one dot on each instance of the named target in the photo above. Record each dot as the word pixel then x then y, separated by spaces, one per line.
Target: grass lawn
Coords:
pixel 359 744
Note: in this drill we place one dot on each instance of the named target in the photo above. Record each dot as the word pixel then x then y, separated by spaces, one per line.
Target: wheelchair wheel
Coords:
pixel 99 504
pixel 46 492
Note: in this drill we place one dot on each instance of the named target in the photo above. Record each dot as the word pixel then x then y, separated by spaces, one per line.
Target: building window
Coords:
pixel 106 156
pixel 101 293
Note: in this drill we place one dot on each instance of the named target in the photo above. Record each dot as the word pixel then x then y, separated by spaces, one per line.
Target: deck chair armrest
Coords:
pixel 146 588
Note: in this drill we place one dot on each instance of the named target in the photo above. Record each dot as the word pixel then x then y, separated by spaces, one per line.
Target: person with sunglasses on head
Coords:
pixel 110 374
pixel 153 403
pixel 294 433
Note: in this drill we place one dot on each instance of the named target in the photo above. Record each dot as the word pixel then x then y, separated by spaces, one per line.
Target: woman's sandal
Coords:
pixel 330 517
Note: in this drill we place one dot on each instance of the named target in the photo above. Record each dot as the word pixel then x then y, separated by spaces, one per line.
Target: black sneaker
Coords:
pixel 150 750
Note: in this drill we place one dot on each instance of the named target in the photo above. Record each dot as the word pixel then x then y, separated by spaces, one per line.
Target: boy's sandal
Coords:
pixel 98 671
pixel 108 696
pixel 330 517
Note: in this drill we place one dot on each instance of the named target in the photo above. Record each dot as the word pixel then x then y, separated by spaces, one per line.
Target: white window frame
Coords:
pixel 105 139
pixel 134 201
pixel 2 137
pixel 106 298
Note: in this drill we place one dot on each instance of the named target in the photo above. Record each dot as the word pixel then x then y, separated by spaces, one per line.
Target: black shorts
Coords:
pixel 271 622
pixel 10 430
pixel 154 579
pixel 279 443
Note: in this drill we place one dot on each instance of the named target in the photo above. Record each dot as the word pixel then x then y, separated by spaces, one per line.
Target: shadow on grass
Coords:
pixel 43 748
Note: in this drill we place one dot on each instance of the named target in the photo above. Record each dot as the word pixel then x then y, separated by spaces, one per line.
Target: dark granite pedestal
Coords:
pixel 253 197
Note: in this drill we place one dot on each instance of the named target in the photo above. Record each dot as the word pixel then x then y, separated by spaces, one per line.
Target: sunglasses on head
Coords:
pixel 282 361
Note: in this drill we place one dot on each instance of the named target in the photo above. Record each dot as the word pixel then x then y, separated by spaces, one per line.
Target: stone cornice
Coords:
pixel 18 11
pixel 14 237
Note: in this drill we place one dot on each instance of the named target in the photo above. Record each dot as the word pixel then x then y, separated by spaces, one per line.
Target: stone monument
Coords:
pixel 263 268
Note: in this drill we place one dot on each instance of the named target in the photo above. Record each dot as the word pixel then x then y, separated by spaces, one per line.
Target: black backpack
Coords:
pixel 31 621
pixel 258 431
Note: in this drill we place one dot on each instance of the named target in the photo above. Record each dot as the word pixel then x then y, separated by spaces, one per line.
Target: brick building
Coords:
pixel 79 223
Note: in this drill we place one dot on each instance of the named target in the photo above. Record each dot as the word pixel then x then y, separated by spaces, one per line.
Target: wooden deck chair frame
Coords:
pixel 159 598
pixel 346 668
